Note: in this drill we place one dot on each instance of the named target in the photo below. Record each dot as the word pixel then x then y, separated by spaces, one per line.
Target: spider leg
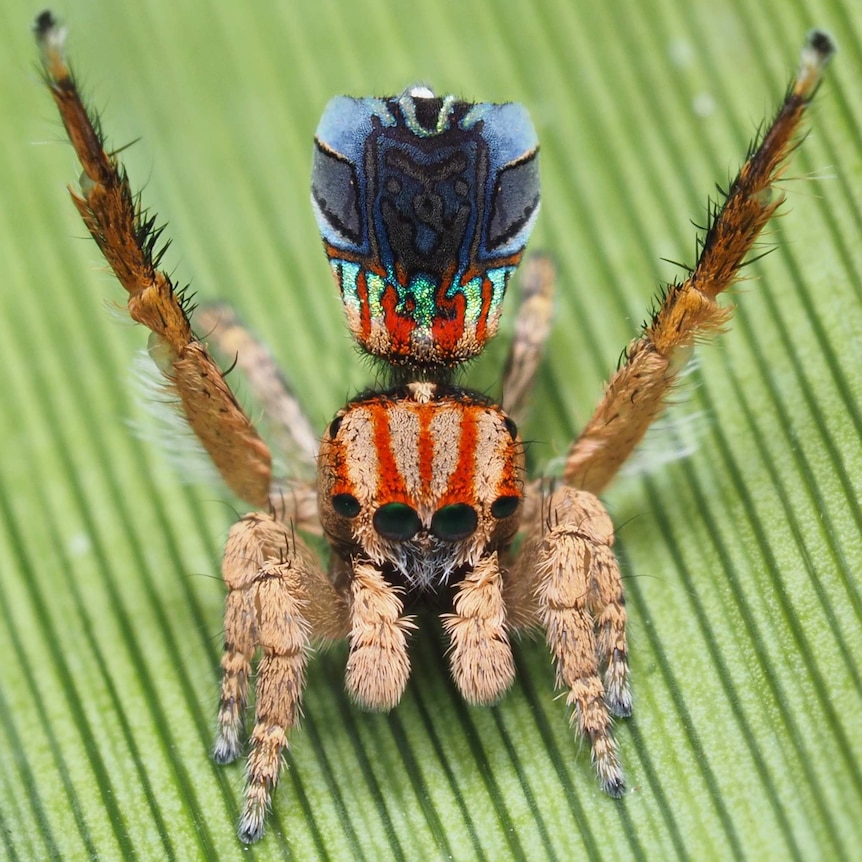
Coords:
pixel 128 238
pixel 637 393
pixel 279 601
pixel 232 341
pixel 567 569
pixel 291 500
pixel 532 326
pixel 378 666
pixel 481 656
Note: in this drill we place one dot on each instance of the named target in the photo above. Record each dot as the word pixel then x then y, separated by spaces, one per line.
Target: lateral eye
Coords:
pixel 346 505
pixel 503 507
pixel 333 429
pixel 396 521
pixel 454 522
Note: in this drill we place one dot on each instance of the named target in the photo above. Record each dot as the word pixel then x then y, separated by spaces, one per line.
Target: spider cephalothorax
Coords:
pixel 424 205
pixel 424 479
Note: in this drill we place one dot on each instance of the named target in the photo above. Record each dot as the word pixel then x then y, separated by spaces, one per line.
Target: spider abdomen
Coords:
pixel 424 205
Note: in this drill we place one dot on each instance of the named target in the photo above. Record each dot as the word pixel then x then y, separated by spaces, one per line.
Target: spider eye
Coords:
pixel 396 521
pixel 454 522
pixel 333 428
pixel 346 505
pixel 511 427
pixel 503 507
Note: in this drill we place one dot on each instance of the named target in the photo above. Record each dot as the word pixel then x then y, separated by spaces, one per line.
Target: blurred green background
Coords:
pixel 742 561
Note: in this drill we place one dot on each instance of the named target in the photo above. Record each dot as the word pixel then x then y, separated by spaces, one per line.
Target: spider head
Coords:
pixel 423 480
pixel 424 205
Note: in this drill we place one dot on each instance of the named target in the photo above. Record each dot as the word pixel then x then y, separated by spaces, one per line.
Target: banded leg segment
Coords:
pixel 279 601
pixel 567 564
pixel 637 393
pixel 129 238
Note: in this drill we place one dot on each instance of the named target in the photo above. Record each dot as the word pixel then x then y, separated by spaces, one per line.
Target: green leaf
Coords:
pixel 742 560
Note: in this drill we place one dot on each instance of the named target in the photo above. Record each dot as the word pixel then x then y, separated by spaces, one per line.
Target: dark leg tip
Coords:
pixel 616 788
pixel 44 23
pixel 821 42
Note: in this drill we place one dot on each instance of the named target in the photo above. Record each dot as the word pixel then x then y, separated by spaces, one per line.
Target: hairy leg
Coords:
pixel 570 579
pixel 279 601
pixel 532 326
pixel 221 327
pixel 637 393
pixel 129 239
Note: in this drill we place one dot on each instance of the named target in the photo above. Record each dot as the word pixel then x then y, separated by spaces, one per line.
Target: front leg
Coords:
pixel 567 566
pixel 279 600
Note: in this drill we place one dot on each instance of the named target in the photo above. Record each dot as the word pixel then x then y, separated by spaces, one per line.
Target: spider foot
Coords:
pixel 250 828
pixel 591 718
pixel 264 763
pixel 228 745
pixel 618 695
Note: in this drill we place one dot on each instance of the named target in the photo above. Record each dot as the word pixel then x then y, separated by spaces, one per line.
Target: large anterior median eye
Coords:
pixel 396 521
pixel 454 522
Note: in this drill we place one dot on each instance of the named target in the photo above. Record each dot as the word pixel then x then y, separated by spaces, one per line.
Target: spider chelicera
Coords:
pixel 424 205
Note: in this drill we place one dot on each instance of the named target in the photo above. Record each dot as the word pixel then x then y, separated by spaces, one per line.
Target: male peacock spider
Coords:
pixel 425 205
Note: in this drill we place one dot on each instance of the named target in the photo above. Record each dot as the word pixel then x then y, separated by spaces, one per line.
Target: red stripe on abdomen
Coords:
pixel 462 484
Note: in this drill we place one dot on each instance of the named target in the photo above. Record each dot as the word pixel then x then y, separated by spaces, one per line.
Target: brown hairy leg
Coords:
pixel 637 393
pixel 129 240
pixel 532 327
pixel 280 600
pixel 288 428
pixel 232 342
pixel 568 577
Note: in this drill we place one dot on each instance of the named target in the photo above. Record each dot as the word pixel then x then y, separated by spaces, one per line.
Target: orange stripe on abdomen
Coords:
pixel 391 486
pixel 462 484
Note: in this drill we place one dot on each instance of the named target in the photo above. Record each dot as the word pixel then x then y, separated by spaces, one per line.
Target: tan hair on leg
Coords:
pixel 279 600
pixel 532 327
pixel 481 657
pixel 568 566
pixel 378 667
